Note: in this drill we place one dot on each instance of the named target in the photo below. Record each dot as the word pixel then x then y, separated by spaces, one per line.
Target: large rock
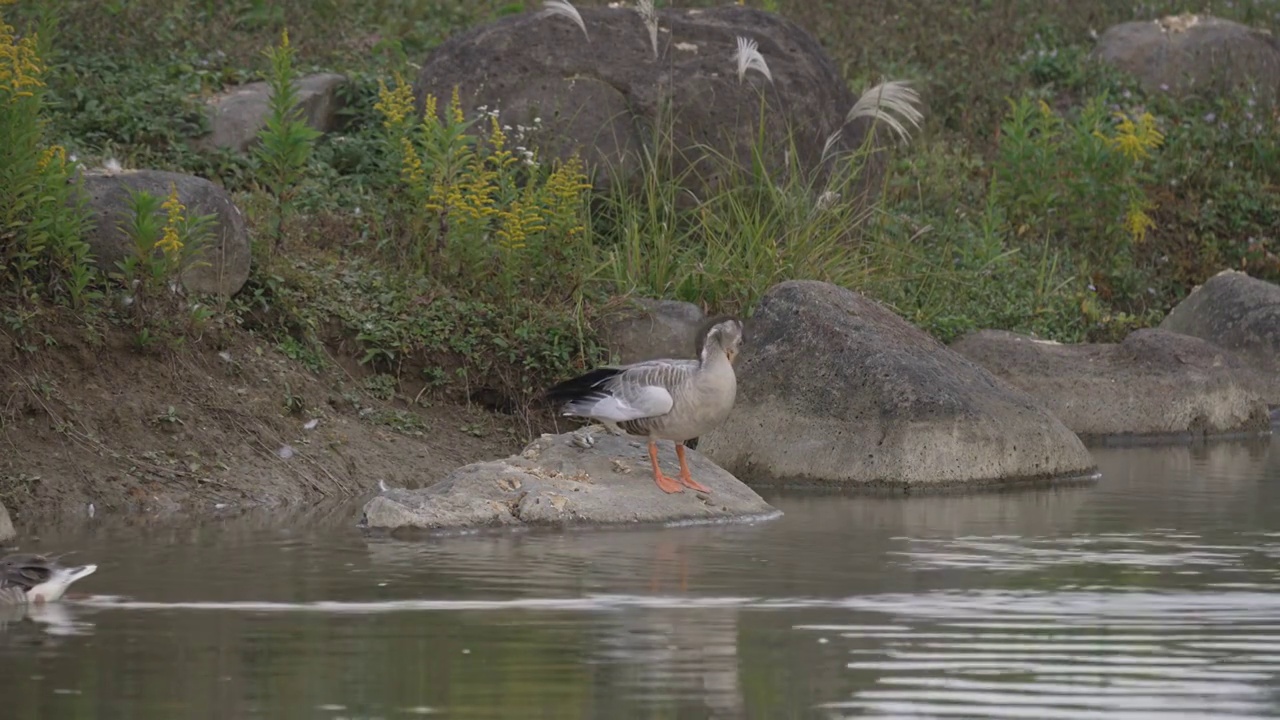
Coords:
pixel 610 97
pixel 649 329
pixel 555 481
pixel 237 116
pixel 6 525
pixel 1194 55
pixel 1239 313
pixel 1153 383
pixel 835 389
pixel 221 268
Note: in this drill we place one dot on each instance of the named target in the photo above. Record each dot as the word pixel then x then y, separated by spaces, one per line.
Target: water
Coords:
pixel 1152 594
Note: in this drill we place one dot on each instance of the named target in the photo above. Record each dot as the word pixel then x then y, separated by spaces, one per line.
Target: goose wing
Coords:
pixel 633 392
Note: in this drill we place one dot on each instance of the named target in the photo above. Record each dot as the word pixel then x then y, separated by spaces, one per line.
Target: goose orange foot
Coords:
pixel 666 484
pixel 685 477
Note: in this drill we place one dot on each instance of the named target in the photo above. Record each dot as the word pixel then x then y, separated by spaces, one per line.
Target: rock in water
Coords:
pixel 834 389
pixel 1154 383
pixel 556 481
pixel 1239 313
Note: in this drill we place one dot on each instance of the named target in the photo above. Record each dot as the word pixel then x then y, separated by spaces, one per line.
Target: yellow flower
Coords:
pixel 411 166
pixel 455 107
pixel 284 38
pixel 1136 220
pixel 395 105
pixel 50 154
pixel 1134 140
pixel 170 243
pixel 20 65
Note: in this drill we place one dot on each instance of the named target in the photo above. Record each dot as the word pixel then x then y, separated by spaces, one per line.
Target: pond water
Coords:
pixel 1150 594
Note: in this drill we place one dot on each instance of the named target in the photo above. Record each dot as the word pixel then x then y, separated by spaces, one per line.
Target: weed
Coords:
pixel 42 217
pixel 286 140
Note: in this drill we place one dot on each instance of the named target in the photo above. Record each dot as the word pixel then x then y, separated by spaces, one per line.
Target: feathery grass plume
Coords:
pixel 830 144
pixel 883 101
pixel 748 57
pixel 650 17
pixel 564 8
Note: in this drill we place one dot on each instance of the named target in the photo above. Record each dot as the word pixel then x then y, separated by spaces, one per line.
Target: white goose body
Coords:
pixel 36 579
pixel 662 399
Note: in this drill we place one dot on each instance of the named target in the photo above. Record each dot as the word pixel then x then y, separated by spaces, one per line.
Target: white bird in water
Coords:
pixel 665 399
pixel 37 579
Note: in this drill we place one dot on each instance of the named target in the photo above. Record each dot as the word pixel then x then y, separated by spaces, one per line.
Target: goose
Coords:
pixel 36 579
pixel 663 399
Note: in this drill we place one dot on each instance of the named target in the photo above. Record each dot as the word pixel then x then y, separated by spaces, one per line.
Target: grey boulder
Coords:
pixel 221 267
pixel 238 115
pixel 608 97
pixel 650 329
pixel 1190 55
pixel 558 481
pixel 1153 383
pixel 1239 313
pixel 6 525
pixel 834 389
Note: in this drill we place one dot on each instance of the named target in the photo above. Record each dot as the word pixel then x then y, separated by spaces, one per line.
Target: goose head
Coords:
pixel 723 335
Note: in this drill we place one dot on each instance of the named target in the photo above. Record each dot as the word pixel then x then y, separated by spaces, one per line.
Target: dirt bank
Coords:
pixel 211 426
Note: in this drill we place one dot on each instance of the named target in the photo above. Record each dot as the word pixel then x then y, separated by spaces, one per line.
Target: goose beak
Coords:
pixel 731 354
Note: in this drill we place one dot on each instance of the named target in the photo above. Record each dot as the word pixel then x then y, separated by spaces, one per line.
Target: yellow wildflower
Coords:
pixel 1136 220
pixel 501 157
pixel 284 38
pixel 170 243
pixel 455 107
pixel 516 223
pixel 20 65
pixel 1134 140
pixel 50 154
pixel 411 165
pixel 395 105
pixel 565 187
pixel 429 117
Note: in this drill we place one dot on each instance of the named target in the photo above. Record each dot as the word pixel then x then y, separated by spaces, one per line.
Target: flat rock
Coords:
pixel 649 329
pixel 1239 313
pixel 834 389
pixel 223 265
pixel 237 116
pixel 1194 55
pixel 608 97
pixel 1155 382
pixel 6 525
pixel 556 482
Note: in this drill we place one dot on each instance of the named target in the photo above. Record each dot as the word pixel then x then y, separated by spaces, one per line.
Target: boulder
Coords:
pixel 648 329
pixel 1194 55
pixel 238 115
pixel 834 389
pixel 1241 314
pixel 609 97
pixel 558 480
pixel 221 268
pixel 6 525
pixel 1155 382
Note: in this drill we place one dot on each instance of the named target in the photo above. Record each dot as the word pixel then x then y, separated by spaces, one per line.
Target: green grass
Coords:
pixel 997 214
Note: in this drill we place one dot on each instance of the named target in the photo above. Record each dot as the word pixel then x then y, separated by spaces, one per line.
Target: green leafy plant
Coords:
pixel 42 215
pixel 286 141
pixel 164 242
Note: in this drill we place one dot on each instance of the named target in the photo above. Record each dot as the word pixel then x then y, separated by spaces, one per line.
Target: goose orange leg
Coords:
pixel 666 484
pixel 685 477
